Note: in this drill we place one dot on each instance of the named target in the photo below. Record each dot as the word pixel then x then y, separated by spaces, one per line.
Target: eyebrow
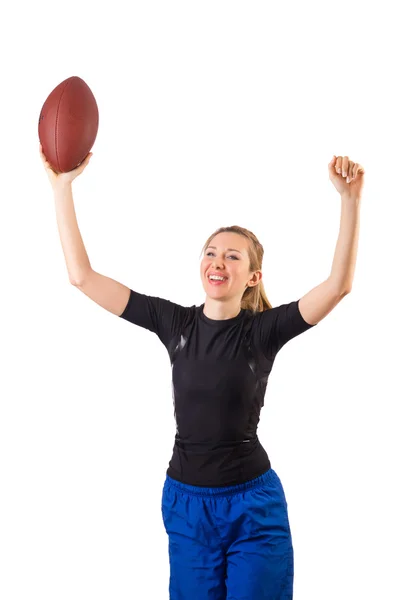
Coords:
pixel 227 249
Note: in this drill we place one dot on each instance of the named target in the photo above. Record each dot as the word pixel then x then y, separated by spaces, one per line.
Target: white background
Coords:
pixel 211 114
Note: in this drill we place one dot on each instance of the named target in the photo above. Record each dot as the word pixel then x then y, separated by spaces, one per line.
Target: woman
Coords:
pixel 223 506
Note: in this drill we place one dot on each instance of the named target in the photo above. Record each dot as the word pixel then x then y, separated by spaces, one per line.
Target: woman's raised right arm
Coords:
pixel 108 293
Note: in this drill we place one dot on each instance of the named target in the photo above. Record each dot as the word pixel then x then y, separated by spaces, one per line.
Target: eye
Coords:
pixel 230 256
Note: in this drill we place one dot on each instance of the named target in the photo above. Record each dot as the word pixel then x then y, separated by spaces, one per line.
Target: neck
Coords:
pixel 221 309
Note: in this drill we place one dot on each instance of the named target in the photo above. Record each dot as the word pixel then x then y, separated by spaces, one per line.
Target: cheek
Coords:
pixel 204 266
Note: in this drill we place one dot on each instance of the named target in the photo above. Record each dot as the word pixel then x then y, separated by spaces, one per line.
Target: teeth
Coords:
pixel 217 278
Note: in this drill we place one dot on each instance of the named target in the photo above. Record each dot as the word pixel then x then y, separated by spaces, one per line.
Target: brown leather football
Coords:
pixel 68 124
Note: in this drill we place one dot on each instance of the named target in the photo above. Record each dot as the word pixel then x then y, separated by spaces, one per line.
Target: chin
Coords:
pixel 214 293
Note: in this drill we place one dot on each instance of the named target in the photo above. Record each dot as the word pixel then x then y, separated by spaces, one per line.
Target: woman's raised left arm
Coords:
pixel 348 179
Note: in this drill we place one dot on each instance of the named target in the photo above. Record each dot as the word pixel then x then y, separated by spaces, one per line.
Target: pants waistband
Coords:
pixel 267 477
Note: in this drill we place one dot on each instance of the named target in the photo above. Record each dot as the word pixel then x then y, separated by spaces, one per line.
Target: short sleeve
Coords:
pixel 274 327
pixel 163 317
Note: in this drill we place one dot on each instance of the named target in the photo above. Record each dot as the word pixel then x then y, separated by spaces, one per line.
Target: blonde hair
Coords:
pixel 254 298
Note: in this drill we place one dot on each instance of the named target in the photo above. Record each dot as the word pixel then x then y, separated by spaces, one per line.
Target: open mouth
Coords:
pixel 217 281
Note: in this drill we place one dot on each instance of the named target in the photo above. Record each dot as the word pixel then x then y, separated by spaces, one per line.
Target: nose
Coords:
pixel 217 264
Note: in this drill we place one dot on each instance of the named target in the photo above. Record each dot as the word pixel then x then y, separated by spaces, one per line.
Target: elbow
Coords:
pixel 80 279
pixel 76 282
pixel 345 292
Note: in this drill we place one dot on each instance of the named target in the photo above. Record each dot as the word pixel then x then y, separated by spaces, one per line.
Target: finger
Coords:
pixel 49 168
pixel 45 161
pixel 41 150
pixel 359 169
pixel 80 168
pixel 47 164
pixel 350 171
pixel 86 161
pixel 338 164
pixel 43 158
pixel 345 166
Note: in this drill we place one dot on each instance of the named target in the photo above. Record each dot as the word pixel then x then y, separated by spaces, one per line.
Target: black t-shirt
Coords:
pixel 220 370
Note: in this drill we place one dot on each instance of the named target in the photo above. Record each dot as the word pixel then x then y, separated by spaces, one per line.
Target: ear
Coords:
pixel 255 279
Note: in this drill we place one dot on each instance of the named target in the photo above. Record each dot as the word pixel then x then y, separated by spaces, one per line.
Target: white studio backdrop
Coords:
pixel 211 114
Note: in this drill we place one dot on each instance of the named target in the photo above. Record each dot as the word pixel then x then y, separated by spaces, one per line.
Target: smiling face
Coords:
pixel 227 256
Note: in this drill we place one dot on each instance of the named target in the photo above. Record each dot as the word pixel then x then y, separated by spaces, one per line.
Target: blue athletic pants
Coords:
pixel 229 543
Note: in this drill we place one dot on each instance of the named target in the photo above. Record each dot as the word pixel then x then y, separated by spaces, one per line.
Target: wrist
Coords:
pixel 61 189
pixel 351 198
